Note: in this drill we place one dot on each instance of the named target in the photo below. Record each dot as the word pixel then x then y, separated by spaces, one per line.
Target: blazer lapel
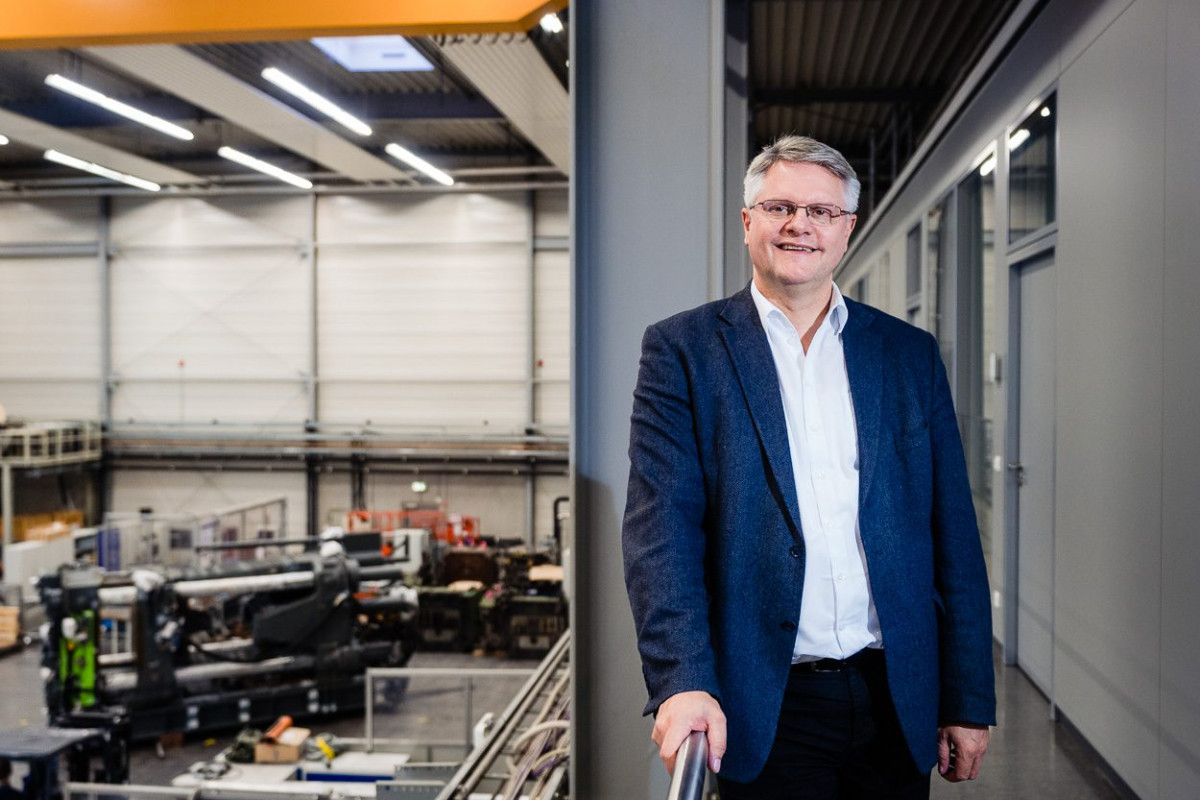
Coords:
pixel 750 353
pixel 864 367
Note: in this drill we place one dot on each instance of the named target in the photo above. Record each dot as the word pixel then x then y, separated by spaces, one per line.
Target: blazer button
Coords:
pixel 794 551
pixel 788 626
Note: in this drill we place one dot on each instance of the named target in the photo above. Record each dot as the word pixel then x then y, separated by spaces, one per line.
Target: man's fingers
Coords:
pixel 960 751
pixel 716 744
pixel 683 713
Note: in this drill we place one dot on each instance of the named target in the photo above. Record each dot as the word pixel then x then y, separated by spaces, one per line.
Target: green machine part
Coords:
pixel 77 661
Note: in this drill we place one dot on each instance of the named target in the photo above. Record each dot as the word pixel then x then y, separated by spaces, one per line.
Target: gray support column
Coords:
pixel 739 140
pixel 642 215
pixel 104 263
pixel 310 257
pixel 532 421
pixel 6 502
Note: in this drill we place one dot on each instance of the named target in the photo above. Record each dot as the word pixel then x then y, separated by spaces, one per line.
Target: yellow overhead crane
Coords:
pixel 73 23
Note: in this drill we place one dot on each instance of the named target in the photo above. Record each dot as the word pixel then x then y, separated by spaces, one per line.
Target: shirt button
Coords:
pixel 794 551
pixel 841 577
pixel 788 626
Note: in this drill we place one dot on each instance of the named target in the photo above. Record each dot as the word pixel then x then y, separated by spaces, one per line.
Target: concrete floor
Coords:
pixel 1030 756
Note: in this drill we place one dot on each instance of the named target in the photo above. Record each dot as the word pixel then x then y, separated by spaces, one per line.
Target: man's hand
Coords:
pixel 683 713
pixel 960 751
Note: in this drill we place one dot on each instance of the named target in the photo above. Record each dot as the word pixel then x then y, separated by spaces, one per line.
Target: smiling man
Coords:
pixel 800 545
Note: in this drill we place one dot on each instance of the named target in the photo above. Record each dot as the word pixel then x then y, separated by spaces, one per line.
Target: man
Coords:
pixel 801 551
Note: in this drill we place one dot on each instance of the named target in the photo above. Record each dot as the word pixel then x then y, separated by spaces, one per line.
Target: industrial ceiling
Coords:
pixel 868 76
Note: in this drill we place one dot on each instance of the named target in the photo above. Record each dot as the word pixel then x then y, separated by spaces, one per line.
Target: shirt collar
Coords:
pixel 836 318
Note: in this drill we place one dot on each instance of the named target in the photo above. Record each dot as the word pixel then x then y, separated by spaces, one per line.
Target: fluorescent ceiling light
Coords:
pixel 117 107
pixel 264 167
pixel 373 53
pixel 987 167
pixel 399 153
pixel 104 172
pixel 1018 138
pixel 3 139
pixel 1045 112
pixel 551 23
pixel 325 106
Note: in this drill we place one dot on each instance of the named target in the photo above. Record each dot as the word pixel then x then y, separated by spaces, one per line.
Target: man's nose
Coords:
pixel 798 221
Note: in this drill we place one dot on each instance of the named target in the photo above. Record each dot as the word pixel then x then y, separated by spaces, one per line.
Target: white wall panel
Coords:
pixel 552 408
pixel 457 217
pixel 1108 524
pixel 450 407
pixel 49 335
pixel 181 222
pixel 552 328
pixel 53 221
pixel 209 402
pixel 198 492
pixel 552 337
pixel 553 218
pixel 424 309
pixel 222 287
pixel 447 312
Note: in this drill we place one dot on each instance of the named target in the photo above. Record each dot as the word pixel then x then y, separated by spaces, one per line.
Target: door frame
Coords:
pixel 1029 255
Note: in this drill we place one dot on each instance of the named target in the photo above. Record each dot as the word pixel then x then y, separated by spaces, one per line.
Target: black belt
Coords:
pixel 860 659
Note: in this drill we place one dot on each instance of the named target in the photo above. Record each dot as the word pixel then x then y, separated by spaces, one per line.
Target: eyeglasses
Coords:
pixel 818 213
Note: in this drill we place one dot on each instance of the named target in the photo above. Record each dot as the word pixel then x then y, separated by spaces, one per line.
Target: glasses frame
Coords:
pixel 807 212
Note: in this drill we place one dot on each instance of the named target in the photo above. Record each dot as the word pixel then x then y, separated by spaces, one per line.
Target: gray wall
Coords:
pixel 1127 557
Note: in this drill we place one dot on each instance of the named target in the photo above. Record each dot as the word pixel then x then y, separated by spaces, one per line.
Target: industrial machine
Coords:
pixel 241 644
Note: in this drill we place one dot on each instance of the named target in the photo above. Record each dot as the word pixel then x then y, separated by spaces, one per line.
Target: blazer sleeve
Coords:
pixel 968 693
pixel 663 537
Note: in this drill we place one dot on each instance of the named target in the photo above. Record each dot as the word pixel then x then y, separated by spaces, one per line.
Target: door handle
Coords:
pixel 1018 470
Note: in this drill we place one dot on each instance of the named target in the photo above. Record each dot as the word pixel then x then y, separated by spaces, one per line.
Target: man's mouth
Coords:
pixel 800 248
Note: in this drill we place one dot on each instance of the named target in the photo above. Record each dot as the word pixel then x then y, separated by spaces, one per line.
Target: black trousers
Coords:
pixel 837 739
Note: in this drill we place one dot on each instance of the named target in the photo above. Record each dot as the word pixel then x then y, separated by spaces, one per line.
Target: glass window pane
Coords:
pixel 912 284
pixel 975 398
pixel 1032 173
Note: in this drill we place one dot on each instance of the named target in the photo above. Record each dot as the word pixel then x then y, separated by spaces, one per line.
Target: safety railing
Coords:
pixel 691 768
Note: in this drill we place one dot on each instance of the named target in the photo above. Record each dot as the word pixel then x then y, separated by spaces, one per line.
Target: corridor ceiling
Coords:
pixel 493 108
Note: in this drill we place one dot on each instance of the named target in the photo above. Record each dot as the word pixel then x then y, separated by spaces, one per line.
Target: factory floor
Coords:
pixel 1030 756
pixel 431 709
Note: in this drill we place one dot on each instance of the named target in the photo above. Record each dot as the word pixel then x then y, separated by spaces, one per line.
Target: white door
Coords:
pixel 1033 469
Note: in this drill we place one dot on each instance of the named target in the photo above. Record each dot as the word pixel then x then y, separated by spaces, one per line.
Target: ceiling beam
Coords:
pixel 71 23
pixel 41 136
pixel 198 82
pixel 513 76
pixel 70 113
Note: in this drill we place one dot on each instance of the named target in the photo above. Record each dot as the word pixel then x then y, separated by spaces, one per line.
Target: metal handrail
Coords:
pixel 691 768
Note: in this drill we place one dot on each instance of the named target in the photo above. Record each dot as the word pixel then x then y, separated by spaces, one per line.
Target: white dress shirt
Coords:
pixel 837 614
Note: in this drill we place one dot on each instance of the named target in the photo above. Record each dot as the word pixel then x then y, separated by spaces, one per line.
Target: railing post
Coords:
pixel 691 768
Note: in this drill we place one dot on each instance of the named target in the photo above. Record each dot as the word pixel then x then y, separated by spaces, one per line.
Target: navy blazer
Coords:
pixel 712 536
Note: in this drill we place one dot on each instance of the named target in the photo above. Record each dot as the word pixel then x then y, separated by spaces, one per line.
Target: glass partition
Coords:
pixel 1032 173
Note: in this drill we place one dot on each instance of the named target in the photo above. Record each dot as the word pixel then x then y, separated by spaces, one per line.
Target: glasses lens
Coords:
pixel 777 209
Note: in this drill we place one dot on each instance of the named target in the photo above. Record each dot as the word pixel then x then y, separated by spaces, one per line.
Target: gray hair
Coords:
pixel 801 150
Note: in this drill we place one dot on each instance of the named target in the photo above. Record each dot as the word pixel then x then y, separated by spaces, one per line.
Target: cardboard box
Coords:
pixel 44 533
pixel 10 623
pixel 283 750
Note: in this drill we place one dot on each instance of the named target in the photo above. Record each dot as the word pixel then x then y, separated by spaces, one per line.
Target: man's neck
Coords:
pixel 804 306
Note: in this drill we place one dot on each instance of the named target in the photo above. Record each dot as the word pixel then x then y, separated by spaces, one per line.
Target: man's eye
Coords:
pixel 779 209
pixel 822 213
